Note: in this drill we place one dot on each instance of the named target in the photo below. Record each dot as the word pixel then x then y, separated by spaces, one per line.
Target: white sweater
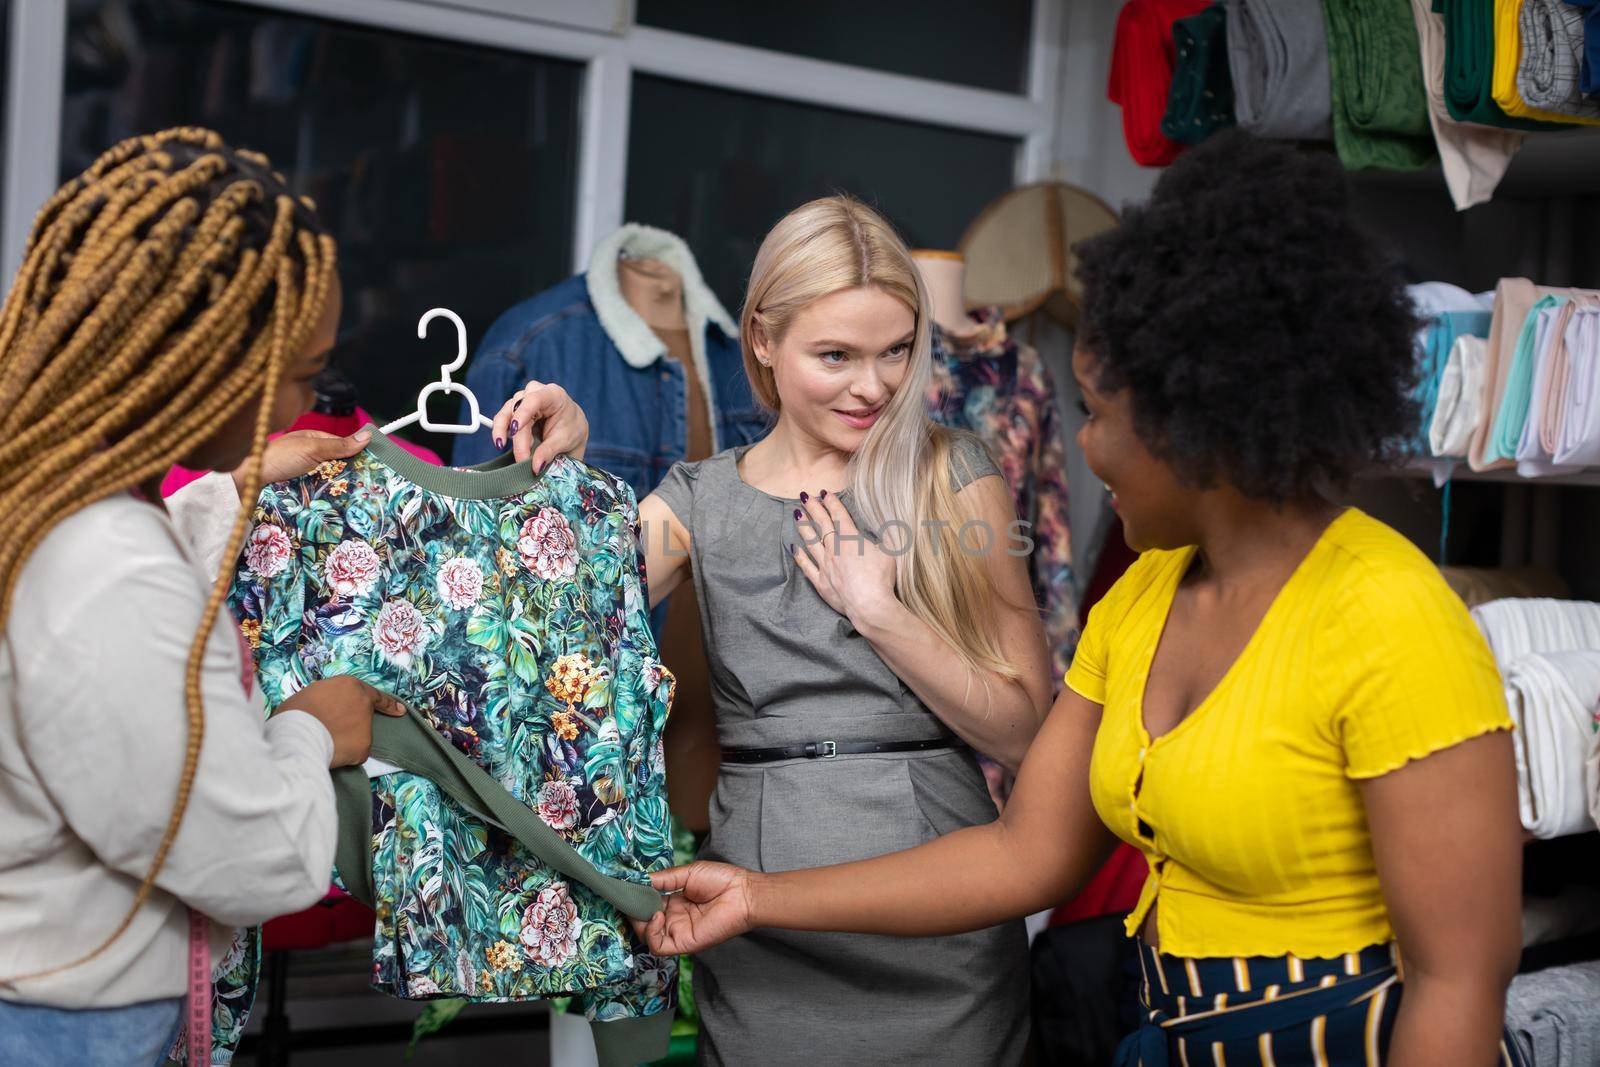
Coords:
pixel 92 737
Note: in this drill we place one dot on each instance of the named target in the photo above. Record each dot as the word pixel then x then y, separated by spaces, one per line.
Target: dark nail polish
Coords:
pixel 499 442
pixel 823 495
pixel 803 496
pixel 513 425
pixel 797 513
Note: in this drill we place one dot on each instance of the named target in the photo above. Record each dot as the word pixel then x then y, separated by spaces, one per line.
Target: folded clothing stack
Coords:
pixel 1143 58
pixel 1517 386
pixel 1548 652
pixel 1551 1014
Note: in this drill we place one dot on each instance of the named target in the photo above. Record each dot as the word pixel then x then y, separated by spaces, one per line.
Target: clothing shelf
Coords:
pixel 1588 477
pixel 1548 164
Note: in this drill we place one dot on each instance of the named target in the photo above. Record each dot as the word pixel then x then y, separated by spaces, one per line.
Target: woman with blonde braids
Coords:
pixel 174 305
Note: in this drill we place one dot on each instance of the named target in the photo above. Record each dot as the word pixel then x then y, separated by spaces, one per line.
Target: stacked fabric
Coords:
pixel 1142 61
pixel 1551 1014
pixel 1461 81
pixel 1380 105
pixel 1474 157
pixel 1471 51
pixel 1589 64
pixel 1278 60
pixel 1201 100
pixel 1518 627
pixel 1448 313
pixel 1515 387
pixel 1553 697
pixel 1548 652
pixel 1538 53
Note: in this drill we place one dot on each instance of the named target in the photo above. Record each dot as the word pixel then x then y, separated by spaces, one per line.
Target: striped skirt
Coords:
pixel 1270 1011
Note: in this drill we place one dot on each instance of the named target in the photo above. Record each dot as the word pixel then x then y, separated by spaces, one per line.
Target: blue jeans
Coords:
pixel 137 1035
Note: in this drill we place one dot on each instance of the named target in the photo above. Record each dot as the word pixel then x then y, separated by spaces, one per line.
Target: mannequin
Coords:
pixel 945 275
pixel 655 291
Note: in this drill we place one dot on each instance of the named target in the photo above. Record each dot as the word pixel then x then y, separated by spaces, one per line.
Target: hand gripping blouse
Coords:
pixel 510 611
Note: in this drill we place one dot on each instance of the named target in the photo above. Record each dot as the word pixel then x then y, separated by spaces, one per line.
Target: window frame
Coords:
pixel 37 62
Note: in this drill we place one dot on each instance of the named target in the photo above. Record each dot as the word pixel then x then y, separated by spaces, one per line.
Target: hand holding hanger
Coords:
pixel 563 427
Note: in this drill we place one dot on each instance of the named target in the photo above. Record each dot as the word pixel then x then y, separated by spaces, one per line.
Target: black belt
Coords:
pixel 830 749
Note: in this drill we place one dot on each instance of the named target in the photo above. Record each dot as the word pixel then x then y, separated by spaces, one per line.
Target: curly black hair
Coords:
pixel 1263 338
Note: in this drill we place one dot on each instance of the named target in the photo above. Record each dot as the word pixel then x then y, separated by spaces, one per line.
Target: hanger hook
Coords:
pixel 461 339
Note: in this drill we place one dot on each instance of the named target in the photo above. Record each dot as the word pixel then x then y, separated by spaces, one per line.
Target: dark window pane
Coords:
pixel 719 168
pixel 447 172
pixel 985 44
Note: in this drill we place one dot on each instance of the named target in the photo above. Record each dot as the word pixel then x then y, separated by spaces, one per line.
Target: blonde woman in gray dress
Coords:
pixel 869 625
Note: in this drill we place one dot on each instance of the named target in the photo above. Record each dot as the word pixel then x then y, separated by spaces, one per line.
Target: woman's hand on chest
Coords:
pixel 852 574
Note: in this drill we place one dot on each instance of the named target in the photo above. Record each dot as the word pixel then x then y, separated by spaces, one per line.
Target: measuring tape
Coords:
pixel 197 1007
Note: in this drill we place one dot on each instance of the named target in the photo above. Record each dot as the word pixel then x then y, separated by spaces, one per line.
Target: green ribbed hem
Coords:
pixel 630 1042
pixel 501 477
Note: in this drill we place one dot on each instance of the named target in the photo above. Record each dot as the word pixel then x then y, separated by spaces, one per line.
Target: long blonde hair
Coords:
pixel 161 291
pixel 902 470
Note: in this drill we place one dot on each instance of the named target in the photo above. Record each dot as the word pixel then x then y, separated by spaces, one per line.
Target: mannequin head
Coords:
pixel 833 329
pixel 944 275
pixel 652 289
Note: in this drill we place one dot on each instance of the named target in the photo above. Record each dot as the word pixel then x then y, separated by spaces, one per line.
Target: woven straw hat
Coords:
pixel 1019 249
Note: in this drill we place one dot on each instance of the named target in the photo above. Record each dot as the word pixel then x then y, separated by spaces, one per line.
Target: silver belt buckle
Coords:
pixel 828 750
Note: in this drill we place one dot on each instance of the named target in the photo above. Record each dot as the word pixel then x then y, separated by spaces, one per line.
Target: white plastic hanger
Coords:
pixel 444 385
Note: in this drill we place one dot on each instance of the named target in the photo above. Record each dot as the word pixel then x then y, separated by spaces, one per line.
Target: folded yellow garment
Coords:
pixel 1507 54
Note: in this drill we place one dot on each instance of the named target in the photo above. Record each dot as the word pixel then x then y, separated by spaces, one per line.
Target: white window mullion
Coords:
pixel 37 46
pixel 603 152
pixel 1046 43
pixel 450 23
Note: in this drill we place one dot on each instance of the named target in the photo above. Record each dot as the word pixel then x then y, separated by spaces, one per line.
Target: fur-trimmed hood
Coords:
pixel 628 331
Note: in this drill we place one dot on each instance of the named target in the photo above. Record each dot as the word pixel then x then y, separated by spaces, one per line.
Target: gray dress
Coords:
pixel 787 669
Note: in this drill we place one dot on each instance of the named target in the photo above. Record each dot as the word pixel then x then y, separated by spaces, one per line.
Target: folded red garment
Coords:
pixel 1142 61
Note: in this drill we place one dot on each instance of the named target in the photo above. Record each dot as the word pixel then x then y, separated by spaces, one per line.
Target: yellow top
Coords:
pixel 1507 54
pixel 1248 810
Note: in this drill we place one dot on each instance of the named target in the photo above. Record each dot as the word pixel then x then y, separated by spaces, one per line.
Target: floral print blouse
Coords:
pixel 510 610
pixel 1003 392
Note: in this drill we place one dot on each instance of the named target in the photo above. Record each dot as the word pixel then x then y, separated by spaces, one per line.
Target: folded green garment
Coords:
pixel 1506 431
pixel 1201 99
pixel 411 743
pixel 1380 106
pixel 1469 67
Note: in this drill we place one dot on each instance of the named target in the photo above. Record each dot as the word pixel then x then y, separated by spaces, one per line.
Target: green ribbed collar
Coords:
pixel 501 477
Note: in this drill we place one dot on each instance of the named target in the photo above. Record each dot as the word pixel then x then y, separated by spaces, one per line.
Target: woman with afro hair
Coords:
pixel 1281 704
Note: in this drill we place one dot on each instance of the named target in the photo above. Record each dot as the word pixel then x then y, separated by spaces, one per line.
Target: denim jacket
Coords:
pixel 584 336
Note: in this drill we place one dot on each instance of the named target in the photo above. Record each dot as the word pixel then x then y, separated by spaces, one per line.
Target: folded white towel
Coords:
pixel 1515 627
pixel 1460 389
pixel 1580 420
pixel 1553 697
